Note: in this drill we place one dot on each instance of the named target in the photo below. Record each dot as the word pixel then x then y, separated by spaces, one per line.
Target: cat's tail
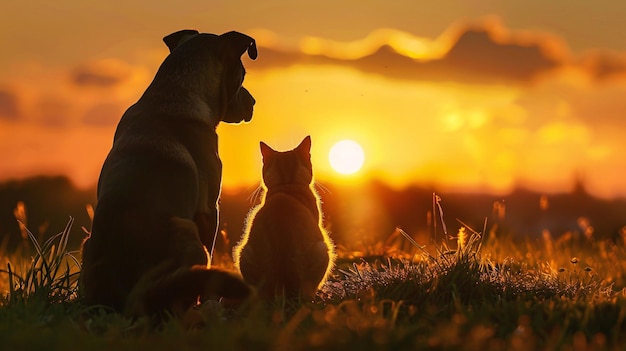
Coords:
pixel 175 291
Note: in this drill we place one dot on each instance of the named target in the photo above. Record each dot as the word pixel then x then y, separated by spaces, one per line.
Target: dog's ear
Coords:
pixel 175 39
pixel 237 43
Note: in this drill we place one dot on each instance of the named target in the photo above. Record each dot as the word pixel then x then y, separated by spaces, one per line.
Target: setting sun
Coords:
pixel 346 157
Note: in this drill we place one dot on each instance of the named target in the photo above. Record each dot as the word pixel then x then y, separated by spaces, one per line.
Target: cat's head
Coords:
pixel 287 167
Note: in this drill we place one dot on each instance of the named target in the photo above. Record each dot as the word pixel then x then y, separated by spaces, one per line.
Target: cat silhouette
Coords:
pixel 285 250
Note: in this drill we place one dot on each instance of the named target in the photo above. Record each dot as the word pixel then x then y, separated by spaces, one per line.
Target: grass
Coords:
pixel 475 292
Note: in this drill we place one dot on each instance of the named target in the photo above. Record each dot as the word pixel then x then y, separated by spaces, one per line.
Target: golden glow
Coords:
pixel 402 42
pixel 440 127
pixel 346 157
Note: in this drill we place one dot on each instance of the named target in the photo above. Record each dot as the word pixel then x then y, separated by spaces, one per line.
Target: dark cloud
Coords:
pixel 8 105
pixel 476 51
pixel 604 64
pixel 104 73
pixel 475 56
pixel 102 115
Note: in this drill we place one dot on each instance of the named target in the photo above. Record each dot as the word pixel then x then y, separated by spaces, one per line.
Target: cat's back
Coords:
pixel 299 199
pixel 288 214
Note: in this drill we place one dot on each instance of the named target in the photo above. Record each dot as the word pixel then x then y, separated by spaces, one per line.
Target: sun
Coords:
pixel 346 157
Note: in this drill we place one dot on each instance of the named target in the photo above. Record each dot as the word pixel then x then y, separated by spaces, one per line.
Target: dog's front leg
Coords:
pixel 210 181
pixel 207 228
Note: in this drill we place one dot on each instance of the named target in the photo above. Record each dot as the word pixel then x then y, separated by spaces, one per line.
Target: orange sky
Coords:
pixel 466 98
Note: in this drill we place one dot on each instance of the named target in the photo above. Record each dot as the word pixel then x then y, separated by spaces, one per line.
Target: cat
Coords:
pixel 284 250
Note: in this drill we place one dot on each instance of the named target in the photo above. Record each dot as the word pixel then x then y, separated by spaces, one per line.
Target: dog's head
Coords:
pixel 211 64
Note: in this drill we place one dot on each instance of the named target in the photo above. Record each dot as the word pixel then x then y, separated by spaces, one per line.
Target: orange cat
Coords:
pixel 285 250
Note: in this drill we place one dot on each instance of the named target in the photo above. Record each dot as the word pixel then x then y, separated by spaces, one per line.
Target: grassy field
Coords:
pixel 470 292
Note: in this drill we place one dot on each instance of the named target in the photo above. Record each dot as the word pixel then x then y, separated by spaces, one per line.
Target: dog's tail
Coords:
pixel 178 290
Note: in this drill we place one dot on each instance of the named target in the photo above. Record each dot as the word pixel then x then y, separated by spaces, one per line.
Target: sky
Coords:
pixel 460 95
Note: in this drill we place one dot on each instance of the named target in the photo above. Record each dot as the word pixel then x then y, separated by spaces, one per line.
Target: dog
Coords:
pixel 158 191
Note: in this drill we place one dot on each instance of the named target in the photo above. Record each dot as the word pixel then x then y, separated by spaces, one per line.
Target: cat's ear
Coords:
pixel 266 151
pixel 304 148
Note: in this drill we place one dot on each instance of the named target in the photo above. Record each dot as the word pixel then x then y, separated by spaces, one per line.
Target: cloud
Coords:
pixel 603 65
pixel 485 52
pixel 476 50
pixel 92 94
pixel 8 105
pixel 101 73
